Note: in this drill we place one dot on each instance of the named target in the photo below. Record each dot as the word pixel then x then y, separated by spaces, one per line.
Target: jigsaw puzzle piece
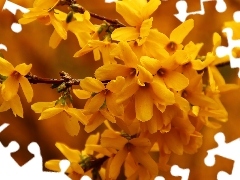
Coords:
pixel 34 165
pixel 7 163
pixel 228 150
pixel 177 171
pixel 182 6
pixel 12 7
pixel 4 125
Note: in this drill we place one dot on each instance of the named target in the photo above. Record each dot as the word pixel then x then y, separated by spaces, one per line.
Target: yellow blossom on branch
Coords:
pixel 15 76
pixel 43 10
pixel 69 115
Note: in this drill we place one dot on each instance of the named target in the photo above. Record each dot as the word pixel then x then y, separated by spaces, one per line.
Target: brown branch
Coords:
pixel 65 78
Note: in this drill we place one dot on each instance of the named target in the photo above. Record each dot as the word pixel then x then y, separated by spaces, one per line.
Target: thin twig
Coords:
pixel 65 78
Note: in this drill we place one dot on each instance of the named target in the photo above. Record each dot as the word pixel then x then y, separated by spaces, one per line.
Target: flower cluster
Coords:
pixel 149 93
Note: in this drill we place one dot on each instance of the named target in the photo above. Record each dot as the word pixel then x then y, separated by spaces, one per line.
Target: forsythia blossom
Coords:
pixel 149 94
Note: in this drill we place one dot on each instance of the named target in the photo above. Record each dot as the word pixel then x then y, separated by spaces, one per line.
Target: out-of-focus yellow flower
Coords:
pixel 137 147
pixel 43 10
pixel 65 112
pixel 15 76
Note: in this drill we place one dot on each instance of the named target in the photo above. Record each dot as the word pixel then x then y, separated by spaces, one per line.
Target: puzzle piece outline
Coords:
pixel 222 51
pixel 227 150
pixel 182 6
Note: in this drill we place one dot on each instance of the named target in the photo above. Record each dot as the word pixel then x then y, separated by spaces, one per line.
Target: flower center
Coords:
pixel 172 46
pixel 161 72
pixel 16 74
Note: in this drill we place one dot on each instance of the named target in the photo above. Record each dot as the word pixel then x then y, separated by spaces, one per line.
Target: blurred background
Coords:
pixel 31 46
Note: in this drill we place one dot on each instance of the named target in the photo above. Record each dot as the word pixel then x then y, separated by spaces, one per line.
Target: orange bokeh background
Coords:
pixel 31 46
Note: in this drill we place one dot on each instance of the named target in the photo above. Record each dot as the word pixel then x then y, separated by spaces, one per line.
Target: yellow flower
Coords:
pixel 15 76
pixel 136 14
pixel 77 20
pixel 101 104
pixel 43 10
pixel 137 148
pixel 65 112
pixel 177 36
pixel 101 95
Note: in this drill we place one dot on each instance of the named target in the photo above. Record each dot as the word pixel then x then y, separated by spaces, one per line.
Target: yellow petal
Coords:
pixel 117 162
pixel 130 15
pixel 180 32
pixel 127 92
pixel 27 88
pixel 150 7
pixel 9 88
pixel 77 168
pixel 173 141
pixel 145 30
pixel 5 106
pixel 125 53
pixel 113 107
pixel 54 40
pixel 182 103
pixel 141 142
pixel 95 103
pixel 216 41
pixel 143 104
pixel 23 68
pixel 162 92
pixel 6 68
pixel 125 34
pixel 16 106
pixel 95 121
pixel 145 160
pixel 155 50
pixel 50 112
pixel 82 94
pixel 176 80
pixel 72 126
pixel 40 106
pixel 111 71
pixel 73 155
pixel 99 149
pixel 108 138
pixel 144 75
pixel 59 27
pixel 116 85
pixel 151 64
pixel 92 85
pixel 78 114
pixel 53 165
